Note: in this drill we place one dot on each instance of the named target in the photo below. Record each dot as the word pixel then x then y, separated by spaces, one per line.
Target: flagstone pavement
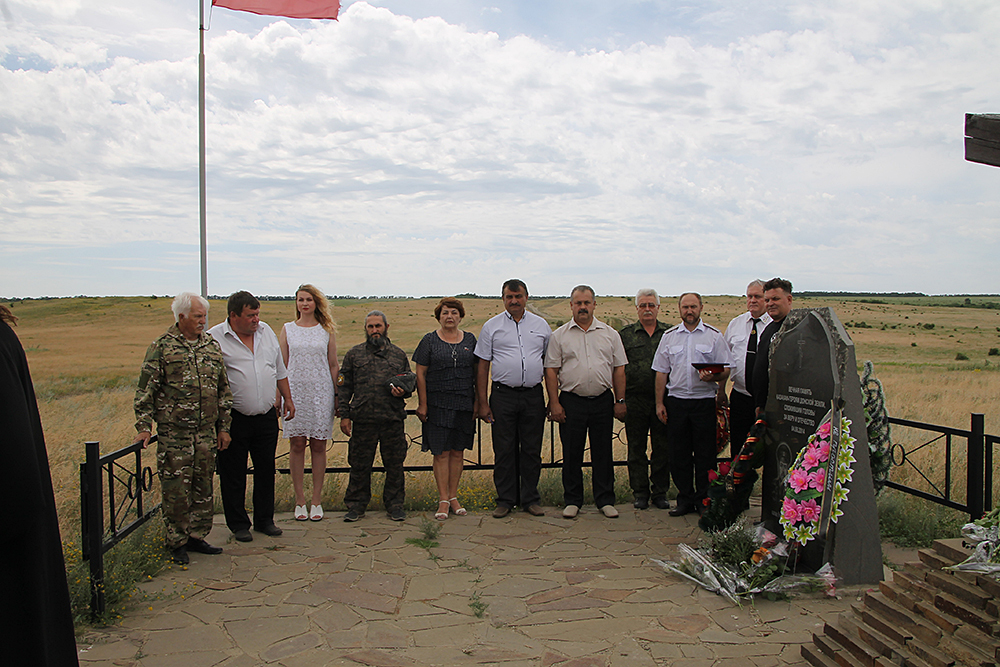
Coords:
pixel 548 591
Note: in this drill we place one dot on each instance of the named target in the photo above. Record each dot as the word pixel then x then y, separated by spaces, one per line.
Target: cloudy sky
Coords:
pixel 422 147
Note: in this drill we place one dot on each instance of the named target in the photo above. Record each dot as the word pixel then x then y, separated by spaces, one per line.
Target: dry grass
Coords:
pixel 85 354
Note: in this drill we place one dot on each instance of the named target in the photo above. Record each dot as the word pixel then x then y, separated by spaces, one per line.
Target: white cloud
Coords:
pixel 383 154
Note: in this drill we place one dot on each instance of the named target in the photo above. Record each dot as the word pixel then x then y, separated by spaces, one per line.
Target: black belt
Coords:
pixel 498 385
pixel 587 398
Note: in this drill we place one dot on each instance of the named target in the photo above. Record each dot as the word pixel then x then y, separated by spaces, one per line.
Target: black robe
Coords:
pixel 36 624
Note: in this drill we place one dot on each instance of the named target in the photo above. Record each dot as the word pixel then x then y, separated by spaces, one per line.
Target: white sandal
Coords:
pixel 459 511
pixel 300 513
pixel 442 516
pixel 316 513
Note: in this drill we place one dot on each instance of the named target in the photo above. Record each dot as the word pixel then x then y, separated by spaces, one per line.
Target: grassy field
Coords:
pixel 85 353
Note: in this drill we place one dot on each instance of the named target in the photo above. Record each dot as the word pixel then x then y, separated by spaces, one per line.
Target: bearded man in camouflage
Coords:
pixel 184 389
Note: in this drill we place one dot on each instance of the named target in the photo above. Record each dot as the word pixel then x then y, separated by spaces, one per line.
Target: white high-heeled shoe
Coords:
pixel 316 513
pixel 301 513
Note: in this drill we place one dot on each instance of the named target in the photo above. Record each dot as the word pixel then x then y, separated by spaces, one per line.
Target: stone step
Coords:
pixel 934 560
pixel 916 568
pixel 952 606
pixel 849 638
pixel 914 584
pixel 837 652
pixel 988 584
pixel 815 657
pixel 952 548
pixel 903 619
pixel 979 640
pixel 929 654
pixel 895 633
pixel 973 596
pixel 966 653
pixel 877 641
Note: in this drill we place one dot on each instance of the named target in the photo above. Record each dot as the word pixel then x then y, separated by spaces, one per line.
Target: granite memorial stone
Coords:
pixel 812 370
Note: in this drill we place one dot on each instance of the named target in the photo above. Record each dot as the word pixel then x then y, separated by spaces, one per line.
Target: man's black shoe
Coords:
pixel 683 508
pixel 271 530
pixel 661 503
pixel 243 535
pixel 397 514
pixel 201 546
pixel 353 515
pixel 180 555
pixel 641 503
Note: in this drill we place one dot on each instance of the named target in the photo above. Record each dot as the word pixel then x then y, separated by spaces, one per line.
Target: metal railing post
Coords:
pixel 976 462
pixel 92 529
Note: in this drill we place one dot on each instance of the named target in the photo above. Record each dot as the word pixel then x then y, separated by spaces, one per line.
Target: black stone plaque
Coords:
pixel 812 368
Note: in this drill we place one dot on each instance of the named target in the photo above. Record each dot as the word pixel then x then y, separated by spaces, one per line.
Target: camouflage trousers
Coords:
pixel 186 463
pixel 388 436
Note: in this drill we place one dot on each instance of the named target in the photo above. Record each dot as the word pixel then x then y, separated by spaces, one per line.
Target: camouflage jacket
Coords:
pixel 183 385
pixel 640 348
pixel 361 385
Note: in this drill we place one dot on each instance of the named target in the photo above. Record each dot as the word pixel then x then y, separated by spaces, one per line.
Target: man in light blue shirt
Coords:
pixel 689 407
pixel 513 343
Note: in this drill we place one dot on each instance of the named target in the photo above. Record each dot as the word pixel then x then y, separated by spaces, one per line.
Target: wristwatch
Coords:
pixel 620 400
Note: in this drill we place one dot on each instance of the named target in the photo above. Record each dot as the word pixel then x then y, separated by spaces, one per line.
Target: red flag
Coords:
pixel 295 9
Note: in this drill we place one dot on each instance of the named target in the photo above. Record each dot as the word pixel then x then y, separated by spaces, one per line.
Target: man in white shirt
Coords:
pixel 689 410
pixel 742 336
pixel 512 345
pixel 259 383
pixel 585 381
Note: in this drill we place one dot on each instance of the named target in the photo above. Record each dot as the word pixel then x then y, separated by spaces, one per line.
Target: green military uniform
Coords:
pixel 377 418
pixel 648 477
pixel 184 389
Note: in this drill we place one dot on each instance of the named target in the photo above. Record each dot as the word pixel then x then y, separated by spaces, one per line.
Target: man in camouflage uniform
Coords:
pixel 184 389
pixel 372 414
pixel 649 476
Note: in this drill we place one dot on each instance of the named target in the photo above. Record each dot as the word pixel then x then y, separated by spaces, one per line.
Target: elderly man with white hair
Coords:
pixel 183 387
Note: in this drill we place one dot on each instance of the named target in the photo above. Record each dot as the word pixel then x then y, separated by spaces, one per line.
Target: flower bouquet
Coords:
pixel 983 535
pixel 740 562
pixel 816 483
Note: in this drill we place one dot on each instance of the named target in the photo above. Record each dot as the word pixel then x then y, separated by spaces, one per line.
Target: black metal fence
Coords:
pixel 127 486
pixel 978 464
pixel 124 496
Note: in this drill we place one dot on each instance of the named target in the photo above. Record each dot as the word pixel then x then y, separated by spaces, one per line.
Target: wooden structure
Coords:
pixel 982 138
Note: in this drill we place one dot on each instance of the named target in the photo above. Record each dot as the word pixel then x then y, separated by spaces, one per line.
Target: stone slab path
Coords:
pixel 548 591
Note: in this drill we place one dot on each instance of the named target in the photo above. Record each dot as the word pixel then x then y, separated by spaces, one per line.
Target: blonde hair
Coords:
pixel 322 307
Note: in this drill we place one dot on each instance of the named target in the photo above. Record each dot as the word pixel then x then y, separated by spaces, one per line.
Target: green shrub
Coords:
pixel 961 356
pixel 911 522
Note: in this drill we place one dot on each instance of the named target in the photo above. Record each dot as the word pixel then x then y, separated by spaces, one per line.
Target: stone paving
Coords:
pixel 548 591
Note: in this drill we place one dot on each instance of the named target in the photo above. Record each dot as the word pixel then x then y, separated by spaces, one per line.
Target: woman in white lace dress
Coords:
pixel 309 347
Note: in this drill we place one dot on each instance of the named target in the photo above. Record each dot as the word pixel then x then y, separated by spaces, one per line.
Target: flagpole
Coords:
pixel 201 148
